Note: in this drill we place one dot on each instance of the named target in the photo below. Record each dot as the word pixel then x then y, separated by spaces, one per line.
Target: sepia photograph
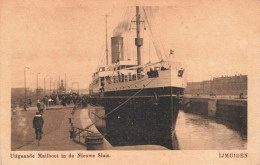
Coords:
pixel 89 81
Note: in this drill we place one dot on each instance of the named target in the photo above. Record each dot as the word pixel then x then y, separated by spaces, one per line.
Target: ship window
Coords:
pixel 119 78
pixel 180 72
pixel 130 77
pixel 108 79
pixel 102 81
pixel 123 77
pixel 156 68
pixel 134 77
pixel 163 68
pixel 114 78
pixel 102 69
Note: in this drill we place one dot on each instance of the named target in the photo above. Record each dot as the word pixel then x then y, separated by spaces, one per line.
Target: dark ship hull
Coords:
pixel 148 118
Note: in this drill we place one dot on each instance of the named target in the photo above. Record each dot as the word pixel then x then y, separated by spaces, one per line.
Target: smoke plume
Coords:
pixel 121 28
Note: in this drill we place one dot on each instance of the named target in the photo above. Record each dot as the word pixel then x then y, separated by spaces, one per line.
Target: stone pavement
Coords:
pixel 58 139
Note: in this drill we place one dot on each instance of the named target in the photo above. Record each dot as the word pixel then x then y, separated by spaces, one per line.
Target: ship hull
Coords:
pixel 148 118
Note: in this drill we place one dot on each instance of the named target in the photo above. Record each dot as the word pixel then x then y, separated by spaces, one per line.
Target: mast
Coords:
pixel 65 84
pixel 138 40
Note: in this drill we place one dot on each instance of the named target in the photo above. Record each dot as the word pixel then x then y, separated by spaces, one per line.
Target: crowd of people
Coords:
pixel 63 99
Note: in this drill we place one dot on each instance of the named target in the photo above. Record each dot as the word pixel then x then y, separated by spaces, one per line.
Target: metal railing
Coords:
pixel 76 133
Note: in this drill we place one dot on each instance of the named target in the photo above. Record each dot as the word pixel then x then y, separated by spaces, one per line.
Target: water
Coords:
pixel 195 132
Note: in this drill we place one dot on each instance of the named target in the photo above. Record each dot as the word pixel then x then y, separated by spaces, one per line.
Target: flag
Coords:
pixel 171 51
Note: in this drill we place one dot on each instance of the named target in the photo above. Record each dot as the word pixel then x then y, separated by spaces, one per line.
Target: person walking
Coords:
pixel 42 107
pixel 37 125
pixel 38 105
pixel 30 102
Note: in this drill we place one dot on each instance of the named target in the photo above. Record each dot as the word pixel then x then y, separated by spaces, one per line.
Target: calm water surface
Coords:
pixel 196 132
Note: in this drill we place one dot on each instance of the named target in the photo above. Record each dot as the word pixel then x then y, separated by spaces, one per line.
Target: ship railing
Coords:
pixel 124 78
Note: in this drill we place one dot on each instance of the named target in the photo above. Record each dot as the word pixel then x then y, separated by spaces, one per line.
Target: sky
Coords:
pixel 211 38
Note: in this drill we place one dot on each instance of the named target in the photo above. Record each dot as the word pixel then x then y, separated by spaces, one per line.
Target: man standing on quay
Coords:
pixel 38 124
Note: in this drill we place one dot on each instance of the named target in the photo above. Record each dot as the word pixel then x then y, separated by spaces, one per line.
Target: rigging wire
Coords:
pixel 156 46
pixel 127 35
pixel 163 46
pixel 102 56
pixel 102 60
pixel 105 116
pixel 150 36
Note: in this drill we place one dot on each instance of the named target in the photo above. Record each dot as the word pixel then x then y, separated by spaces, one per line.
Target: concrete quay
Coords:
pixel 232 112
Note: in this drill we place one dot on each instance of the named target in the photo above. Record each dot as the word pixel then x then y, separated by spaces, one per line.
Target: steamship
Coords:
pixel 141 101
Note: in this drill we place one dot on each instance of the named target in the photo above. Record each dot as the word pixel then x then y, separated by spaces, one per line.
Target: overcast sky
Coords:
pixel 212 38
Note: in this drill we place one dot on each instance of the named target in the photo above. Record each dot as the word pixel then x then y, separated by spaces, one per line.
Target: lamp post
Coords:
pixel 44 85
pixel 65 84
pixel 54 87
pixel 59 84
pixel 50 85
pixel 37 90
pixel 78 88
pixel 25 106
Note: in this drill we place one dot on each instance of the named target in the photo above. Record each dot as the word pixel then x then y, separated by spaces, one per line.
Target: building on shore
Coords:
pixel 225 85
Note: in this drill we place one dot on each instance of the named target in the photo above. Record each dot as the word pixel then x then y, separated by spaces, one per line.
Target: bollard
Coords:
pixel 72 134
pixel 94 141
pixel 13 111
